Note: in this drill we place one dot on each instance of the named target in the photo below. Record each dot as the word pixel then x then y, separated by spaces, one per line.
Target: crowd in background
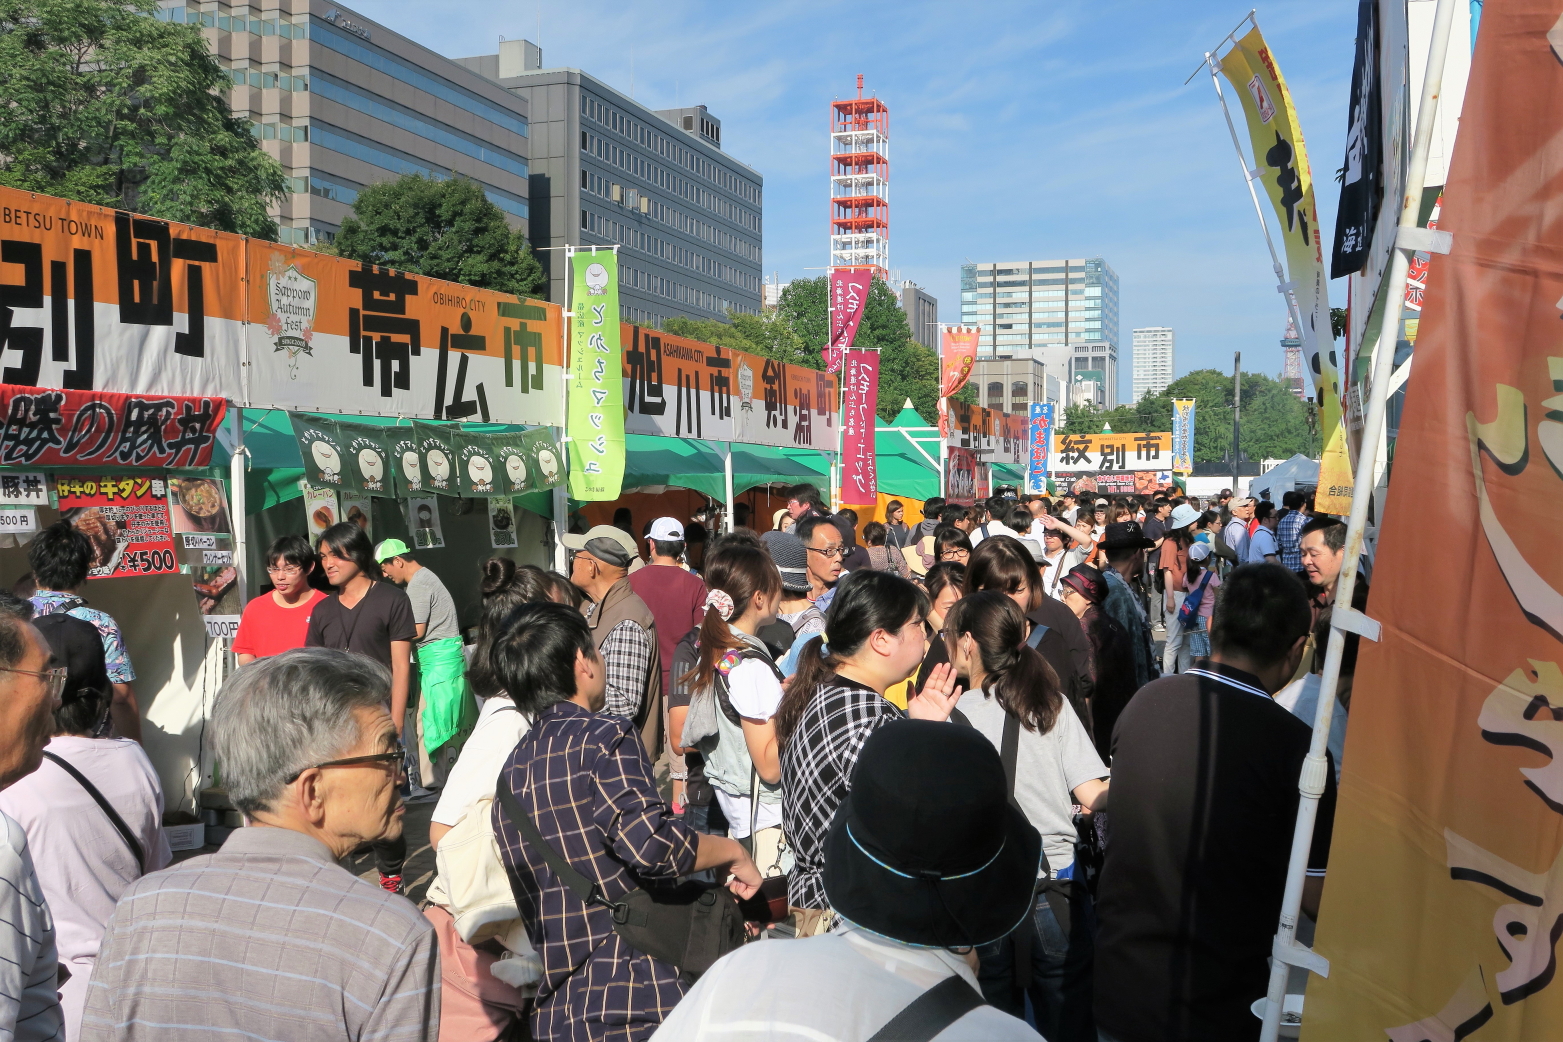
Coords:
pixel 1022 767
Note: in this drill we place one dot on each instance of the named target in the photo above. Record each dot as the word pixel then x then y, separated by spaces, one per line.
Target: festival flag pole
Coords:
pixel 1251 175
pixel 561 492
pixel 1410 237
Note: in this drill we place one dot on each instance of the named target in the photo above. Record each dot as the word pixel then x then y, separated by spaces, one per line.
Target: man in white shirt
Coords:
pixel 1236 531
pixel 976 859
pixel 29 962
pixel 1262 547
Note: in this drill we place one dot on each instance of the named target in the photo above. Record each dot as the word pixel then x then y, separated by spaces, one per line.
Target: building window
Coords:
pixel 1017 395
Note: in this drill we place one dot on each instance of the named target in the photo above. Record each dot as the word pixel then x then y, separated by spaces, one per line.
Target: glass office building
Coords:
pixel 343 102
pixel 1063 313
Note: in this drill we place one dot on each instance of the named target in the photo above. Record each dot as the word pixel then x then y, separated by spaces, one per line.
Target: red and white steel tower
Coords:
pixel 1292 373
pixel 860 185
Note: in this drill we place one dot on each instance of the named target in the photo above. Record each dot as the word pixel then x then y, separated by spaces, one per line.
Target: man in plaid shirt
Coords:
pixel 1288 533
pixel 586 782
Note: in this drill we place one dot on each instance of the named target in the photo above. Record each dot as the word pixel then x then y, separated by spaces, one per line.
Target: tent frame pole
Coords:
pixel 1409 238
pixel 727 487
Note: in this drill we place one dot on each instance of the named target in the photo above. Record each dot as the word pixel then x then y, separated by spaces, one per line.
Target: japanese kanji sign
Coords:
pixel 1112 452
pixel 860 399
pixel 596 420
pixel 1183 435
pixel 998 437
pixel 967 478
pixel 45 427
pixel 1442 910
pixel 92 298
pixel 1039 447
pixel 125 518
pixel 684 388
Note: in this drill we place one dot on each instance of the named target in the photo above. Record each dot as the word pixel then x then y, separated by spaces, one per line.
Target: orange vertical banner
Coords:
pixel 1443 903
pixel 957 359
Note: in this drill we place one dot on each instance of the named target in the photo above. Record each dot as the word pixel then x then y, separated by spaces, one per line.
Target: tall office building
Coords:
pixel 1154 360
pixel 1064 313
pixel 922 314
pixel 607 170
pixel 342 102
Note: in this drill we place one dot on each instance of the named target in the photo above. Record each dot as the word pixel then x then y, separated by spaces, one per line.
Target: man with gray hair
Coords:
pixel 269 937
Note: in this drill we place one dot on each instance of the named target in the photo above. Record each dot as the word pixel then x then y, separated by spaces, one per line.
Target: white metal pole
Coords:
pixel 561 496
pixel 1409 238
pixel 1250 175
pixel 237 465
pixel 727 482
pixel 943 407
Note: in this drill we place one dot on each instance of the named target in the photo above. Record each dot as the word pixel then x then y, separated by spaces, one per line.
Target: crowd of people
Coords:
pixel 1025 767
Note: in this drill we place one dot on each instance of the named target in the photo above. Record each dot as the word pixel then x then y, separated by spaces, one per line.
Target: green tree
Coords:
pixel 709 331
pixel 443 229
pixel 102 103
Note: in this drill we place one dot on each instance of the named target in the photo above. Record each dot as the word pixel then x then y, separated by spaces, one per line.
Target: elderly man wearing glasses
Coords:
pixel 279 622
pixel 270 937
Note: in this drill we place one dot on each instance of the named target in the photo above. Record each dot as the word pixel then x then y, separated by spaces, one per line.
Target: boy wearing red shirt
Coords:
pixel 279 621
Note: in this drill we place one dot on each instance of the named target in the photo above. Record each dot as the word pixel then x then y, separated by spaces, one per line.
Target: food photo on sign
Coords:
pixel 423 517
pixel 198 512
pixel 360 511
pixel 320 509
pixel 125 518
pixel 501 522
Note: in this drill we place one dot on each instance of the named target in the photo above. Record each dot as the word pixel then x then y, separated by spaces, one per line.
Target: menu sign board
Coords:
pixel 126 519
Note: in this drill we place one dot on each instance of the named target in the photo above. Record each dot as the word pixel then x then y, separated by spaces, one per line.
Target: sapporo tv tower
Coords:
pixel 860 185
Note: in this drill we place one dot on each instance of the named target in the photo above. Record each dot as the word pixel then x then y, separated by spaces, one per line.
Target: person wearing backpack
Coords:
pixel 1172 561
pixel 1200 583
pixel 921 872
pixel 589 843
pixel 1014 700
pixel 735 689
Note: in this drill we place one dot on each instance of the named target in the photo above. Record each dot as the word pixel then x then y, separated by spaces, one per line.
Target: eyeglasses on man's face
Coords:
pixel 829 551
pixel 55 677
pixel 397 758
pixel 284 571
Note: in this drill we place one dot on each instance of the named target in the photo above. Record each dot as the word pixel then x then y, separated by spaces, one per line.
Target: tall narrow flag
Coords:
pixel 1183 435
pixel 1443 904
pixel 860 398
pixel 1281 160
pixel 1038 459
pixel 958 356
pixel 595 419
pixel 848 294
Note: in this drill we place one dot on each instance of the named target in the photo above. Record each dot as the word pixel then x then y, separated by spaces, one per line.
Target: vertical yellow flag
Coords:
pixel 1281 161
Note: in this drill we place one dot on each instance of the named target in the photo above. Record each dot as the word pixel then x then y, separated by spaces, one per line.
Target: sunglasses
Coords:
pixel 396 757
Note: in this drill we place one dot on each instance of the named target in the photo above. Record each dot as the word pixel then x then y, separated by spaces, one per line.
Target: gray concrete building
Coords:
pixel 608 170
pixel 1010 383
pixel 1062 312
pixel 342 102
pixel 922 314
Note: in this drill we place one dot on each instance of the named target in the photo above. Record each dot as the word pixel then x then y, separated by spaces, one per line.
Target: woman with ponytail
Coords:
pixel 736 672
pixel 1054 767
pixel 873 640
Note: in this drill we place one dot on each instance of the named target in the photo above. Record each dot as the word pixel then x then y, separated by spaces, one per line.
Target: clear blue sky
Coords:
pixel 1018 131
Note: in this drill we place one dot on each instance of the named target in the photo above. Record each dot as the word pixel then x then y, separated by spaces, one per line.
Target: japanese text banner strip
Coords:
pixel 332 335
pixel 1444 898
pixel 860 400
pixel 595 424
pixel 1281 159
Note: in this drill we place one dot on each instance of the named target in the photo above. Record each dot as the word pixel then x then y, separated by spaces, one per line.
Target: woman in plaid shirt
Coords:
pixel 584 779
pixel 873 640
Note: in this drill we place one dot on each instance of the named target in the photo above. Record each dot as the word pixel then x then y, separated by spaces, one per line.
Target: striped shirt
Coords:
pixel 29 967
pixel 816 763
pixel 268 939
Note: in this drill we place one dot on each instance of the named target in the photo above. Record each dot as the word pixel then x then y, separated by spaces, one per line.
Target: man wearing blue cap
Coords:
pixel 448 712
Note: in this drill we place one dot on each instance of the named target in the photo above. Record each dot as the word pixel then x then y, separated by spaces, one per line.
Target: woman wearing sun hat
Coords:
pixel 920 873
pixel 1173 563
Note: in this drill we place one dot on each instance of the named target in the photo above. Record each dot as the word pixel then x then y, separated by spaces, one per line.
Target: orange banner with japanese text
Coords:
pixel 1443 903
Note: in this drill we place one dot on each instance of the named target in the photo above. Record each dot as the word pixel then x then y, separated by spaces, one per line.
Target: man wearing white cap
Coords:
pixel 676 597
pixel 623 626
pixel 1235 533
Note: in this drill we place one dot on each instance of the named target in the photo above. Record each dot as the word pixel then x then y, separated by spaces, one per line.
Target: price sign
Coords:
pixel 125 518
pixel 18 522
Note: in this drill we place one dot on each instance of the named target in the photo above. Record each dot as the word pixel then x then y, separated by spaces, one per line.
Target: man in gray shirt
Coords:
pixel 269 937
pixel 446 711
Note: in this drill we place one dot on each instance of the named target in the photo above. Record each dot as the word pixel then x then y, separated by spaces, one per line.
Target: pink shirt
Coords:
pixel 82 861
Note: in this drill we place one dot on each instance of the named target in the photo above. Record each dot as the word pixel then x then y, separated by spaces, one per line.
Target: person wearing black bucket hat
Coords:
pixel 1124 545
pixel 920 872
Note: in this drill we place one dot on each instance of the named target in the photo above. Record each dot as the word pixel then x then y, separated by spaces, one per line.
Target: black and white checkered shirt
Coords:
pixel 817 764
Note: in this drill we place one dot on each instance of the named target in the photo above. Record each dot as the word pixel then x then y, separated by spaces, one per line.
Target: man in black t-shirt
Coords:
pixel 1204 799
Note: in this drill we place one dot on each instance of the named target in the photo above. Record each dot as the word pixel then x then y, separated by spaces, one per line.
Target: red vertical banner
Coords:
pixel 957 358
pixel 848 294
pixel 860 400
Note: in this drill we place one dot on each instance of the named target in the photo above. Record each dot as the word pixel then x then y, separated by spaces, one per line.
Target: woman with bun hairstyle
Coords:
pixel 873 640
pixel 1015 701
pixel 736 673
